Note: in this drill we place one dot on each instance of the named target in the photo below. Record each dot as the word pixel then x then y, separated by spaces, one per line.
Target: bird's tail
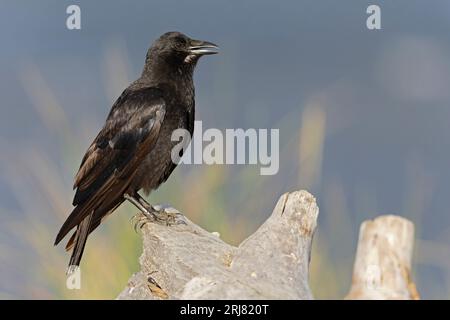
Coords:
pixel 88 224
pixel 79 242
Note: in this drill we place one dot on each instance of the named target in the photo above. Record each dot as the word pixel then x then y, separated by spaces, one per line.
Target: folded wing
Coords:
pixel 110 163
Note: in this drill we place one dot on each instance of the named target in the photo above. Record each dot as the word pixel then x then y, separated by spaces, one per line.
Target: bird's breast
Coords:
pixel 158 164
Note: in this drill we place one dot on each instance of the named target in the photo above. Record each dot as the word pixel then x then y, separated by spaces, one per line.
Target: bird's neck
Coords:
pixel 161 70
pixel 179 77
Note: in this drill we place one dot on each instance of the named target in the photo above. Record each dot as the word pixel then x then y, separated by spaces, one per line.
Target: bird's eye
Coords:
pixel 181 40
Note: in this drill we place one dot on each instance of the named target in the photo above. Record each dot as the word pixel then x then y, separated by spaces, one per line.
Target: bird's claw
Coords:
pixel 168 216
pixel 157 214
pixel 139 220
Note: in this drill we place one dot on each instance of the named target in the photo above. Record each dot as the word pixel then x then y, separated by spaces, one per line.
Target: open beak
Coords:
pixel 203 47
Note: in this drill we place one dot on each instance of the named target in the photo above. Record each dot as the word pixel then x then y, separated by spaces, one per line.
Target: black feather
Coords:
pixel 133 149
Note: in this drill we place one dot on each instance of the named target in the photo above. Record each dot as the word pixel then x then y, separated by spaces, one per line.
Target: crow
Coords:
pixel 132 151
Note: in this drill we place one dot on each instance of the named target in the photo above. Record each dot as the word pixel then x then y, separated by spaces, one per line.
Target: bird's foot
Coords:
pixel 163 215
pixel 168 215
pixel 139 220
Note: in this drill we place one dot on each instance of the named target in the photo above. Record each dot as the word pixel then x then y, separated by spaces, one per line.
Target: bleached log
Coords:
pixel 188 262
pixel 382 268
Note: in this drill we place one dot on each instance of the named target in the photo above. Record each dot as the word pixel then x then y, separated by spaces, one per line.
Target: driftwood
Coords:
pixel 184 261
pixel 382 267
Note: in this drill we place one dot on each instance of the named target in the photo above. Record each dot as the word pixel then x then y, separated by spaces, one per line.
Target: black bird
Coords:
pixel 133 149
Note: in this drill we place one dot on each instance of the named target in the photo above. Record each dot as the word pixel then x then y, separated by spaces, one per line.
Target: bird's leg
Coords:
pixel 144 202
pixel 147 214
pixel 159 215
pixel 169 216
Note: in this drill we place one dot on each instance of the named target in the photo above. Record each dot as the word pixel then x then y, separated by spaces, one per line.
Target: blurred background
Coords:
pixel 363 118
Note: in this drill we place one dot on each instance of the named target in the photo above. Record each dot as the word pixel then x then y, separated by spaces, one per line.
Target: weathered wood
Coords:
pixel 187 262
pixel 382 267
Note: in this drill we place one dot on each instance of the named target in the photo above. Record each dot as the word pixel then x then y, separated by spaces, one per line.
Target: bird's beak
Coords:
pixel 203 47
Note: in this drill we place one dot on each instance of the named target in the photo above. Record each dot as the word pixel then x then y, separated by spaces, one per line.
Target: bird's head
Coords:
pixel 178 50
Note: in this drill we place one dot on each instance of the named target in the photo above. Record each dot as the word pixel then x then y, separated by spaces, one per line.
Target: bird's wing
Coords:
pixel 110 163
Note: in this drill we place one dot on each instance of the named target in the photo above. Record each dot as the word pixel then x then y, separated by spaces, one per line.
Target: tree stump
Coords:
pixel 382 267
pixel 188 262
